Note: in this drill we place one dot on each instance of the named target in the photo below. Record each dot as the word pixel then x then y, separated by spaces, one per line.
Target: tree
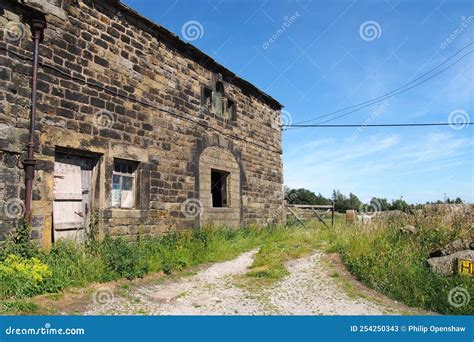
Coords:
pixel 399 204
pixel 321 200
pixel 300 196
pixel 353 202
pixel 340 201
pixel 343 203
pixel 305 196
pixel 379 204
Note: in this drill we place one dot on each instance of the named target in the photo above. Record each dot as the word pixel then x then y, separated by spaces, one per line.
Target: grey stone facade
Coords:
pixel 113 87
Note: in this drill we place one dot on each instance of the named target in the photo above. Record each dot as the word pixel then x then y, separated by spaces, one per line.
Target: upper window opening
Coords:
pixel 216 101
pixel 219 180
pixel 206 98
pixel 218 95
pixel 123 183
pixel 229 109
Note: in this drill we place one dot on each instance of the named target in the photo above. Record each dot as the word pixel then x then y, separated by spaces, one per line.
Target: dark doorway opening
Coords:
pixel 219 188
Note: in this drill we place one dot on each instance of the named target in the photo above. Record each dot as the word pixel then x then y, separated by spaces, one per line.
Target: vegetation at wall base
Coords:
pixel 379 254
pixel 27 271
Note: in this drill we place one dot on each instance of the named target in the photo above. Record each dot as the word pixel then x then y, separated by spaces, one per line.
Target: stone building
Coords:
pixel 137 132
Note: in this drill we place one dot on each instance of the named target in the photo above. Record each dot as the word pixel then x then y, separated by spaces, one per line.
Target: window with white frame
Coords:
pixel 123 183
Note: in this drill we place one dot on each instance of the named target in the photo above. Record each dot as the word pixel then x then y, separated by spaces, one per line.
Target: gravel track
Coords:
pixel 309 289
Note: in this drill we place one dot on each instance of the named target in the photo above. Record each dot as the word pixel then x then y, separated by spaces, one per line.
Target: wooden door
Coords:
pixel 72 196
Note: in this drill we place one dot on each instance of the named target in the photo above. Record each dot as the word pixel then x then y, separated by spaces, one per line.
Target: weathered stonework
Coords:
pixel 112 85
pixel 219 158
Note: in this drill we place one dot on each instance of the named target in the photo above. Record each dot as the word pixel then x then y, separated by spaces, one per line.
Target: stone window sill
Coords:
pixel 220 209
pixel 125 212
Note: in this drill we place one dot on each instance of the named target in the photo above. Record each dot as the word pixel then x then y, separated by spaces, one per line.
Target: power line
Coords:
pixel 381 125
pixel 396 91
pixel 401 91
pixel 137 100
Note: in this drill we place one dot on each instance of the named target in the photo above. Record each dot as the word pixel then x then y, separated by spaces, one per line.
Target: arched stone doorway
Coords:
pixel 219 188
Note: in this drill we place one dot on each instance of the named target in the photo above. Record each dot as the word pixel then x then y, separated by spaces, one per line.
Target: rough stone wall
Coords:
pixel 221 159
pixel 107 85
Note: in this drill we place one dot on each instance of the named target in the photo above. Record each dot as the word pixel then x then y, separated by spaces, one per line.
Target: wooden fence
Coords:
pixel 302 212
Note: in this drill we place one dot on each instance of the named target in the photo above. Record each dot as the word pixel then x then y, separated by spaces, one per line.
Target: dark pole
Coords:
pixel 37 28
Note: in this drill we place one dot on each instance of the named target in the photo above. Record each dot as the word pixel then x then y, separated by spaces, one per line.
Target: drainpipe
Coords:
pixel 37 28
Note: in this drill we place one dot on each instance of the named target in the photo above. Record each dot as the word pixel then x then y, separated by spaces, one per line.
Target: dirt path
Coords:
pixel 313 287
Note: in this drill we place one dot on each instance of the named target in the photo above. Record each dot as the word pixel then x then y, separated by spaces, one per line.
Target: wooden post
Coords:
pixel 319 217
pixel 351 216
pixel 296 216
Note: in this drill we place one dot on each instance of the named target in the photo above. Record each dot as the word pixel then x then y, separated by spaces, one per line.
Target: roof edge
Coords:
pixel 199 56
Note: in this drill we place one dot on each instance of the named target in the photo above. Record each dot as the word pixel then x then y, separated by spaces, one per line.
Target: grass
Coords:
pixel 378 254
pixel 285 244
pixel 68 265
pixel 394 263
pixel 18 306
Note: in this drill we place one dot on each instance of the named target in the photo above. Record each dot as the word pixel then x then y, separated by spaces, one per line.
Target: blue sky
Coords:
pixel 324 60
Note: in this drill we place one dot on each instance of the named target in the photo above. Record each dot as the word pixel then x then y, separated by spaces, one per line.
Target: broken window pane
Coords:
pixel 127 183
pixel 127 200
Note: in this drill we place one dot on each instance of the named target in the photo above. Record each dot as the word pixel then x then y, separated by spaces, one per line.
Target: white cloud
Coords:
pixel 388 166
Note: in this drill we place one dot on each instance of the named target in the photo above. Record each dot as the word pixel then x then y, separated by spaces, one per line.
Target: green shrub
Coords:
pixel 19 243
pixel 22 277
pixel 73 265
pixel 381 256
pixel 123 259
